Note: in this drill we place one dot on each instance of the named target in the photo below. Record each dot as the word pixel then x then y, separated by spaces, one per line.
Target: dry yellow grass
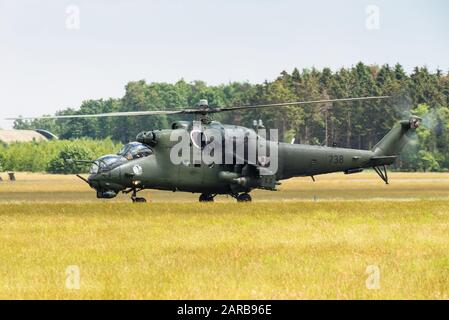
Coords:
pixel 294 249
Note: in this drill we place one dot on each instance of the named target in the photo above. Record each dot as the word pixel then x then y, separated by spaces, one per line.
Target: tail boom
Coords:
pixel 395 140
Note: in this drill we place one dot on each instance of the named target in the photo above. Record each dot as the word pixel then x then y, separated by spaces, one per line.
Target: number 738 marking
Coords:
pixel 336 159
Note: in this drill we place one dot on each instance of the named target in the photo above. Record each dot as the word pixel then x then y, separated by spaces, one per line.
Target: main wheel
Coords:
pixel 139 200
pixel 205 197
pixel 244 197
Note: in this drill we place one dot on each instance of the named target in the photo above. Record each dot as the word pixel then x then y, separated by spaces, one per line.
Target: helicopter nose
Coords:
pixel 105 181
pixel 93 180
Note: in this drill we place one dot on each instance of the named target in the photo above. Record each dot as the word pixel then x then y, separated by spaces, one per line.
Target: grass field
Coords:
pixel 308 240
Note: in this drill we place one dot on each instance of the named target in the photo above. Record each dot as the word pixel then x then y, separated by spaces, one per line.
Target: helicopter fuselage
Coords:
pixel 158 171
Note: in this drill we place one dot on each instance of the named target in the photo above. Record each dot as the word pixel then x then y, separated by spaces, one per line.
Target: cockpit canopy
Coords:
pixel 135 150
pixel 106 163
pixel 130 151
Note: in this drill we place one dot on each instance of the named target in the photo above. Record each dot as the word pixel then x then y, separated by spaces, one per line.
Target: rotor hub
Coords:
pixel 203 104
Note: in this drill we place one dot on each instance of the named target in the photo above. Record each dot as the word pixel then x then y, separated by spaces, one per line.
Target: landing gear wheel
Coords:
pixel 244 197
pixel 135 198
pixel 205 197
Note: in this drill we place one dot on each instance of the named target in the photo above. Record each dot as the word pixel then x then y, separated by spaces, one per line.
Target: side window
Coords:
pixel 141 152
pixel 135 150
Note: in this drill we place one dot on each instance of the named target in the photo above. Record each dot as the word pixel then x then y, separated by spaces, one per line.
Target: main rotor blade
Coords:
pixel 201 111
pixel 99 115
pixel 298 103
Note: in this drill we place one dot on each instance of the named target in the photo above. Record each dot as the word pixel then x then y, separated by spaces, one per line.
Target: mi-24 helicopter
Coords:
pixel 211 158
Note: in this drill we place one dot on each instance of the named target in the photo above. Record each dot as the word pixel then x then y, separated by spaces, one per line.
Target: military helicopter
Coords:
pixel 153 161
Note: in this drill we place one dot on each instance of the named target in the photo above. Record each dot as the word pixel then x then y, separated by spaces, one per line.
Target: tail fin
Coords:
pixel 395 140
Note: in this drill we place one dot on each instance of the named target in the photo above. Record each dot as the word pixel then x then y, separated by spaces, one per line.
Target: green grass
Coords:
pixel 284 245
pixel 285 250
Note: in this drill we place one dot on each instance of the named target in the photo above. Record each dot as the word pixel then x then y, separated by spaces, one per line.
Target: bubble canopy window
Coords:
pixel 135 150
pixel 130 151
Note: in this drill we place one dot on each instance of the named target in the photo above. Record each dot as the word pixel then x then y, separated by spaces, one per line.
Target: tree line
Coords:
pixel 353 125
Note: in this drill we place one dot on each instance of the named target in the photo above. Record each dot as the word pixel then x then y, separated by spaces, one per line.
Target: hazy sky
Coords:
pixel 51 58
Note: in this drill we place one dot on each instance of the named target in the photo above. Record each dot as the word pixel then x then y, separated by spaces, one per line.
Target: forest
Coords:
pixel 350 125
